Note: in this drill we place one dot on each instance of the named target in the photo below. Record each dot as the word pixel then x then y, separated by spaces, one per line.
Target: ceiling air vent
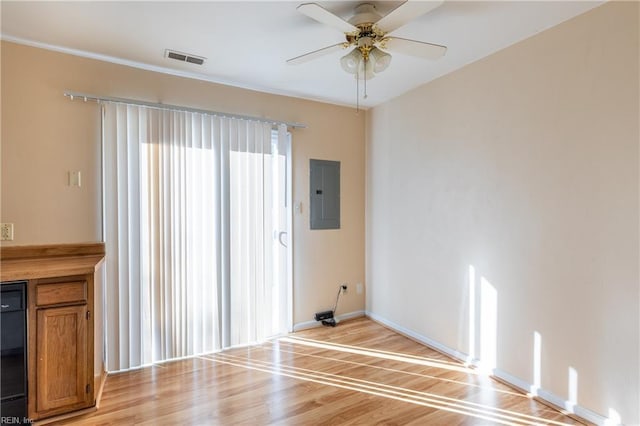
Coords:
pixel 184 57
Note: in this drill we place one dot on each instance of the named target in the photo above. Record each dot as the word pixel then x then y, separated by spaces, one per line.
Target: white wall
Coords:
pixel 523 165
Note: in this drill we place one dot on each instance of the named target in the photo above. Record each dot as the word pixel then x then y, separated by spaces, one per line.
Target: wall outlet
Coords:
pixel 6 232
pixel 359 288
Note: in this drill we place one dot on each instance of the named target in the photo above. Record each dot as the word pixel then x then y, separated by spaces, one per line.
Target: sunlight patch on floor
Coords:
pixel 378 354
pixel 453 405
pixel 395 370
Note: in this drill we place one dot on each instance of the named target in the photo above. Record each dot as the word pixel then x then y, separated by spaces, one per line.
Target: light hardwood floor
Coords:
pixel 358 373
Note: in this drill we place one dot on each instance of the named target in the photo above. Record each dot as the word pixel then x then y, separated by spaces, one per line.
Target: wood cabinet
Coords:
pixel 61 328
pixel 64 347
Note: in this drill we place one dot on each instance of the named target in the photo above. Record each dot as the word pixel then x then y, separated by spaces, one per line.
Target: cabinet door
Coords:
pixel 61 357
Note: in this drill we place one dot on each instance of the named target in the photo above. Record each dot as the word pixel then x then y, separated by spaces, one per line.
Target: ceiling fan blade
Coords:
pixel 315 54
pixel 404 13
pixel 414 47
pixel 322 15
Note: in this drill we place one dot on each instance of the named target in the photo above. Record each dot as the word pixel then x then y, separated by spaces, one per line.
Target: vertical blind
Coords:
pixel 190 222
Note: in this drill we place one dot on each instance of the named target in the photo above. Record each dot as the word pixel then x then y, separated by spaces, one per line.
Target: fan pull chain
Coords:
pixel 365 78
pixel 357 92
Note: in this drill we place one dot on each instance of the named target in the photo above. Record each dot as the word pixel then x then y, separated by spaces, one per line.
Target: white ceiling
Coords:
pixel 247 43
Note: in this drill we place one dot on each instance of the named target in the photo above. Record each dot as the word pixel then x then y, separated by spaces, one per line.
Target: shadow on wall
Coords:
pixel 483 345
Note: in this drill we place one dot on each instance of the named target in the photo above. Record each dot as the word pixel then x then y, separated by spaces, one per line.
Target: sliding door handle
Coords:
pixel 280 235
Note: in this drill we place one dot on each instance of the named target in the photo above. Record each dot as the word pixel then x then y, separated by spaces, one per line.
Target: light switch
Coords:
pixel 297 207
pixel 75 179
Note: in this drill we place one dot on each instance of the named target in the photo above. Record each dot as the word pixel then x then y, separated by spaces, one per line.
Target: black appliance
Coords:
pixel 13 350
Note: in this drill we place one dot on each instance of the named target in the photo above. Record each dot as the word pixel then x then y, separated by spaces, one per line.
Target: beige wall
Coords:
pixel 44 135
pixel 525 166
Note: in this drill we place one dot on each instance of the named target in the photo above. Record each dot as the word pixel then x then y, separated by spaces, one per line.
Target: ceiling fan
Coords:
pixel 369 33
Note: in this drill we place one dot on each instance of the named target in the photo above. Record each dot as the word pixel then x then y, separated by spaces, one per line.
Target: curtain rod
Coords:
pixel 86 97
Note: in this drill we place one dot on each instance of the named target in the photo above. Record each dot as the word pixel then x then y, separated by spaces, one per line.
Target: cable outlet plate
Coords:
pixel 6 232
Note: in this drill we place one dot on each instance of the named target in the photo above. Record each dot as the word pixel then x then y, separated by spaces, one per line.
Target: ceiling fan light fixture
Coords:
pixel 380 60
pixel 352 61
pixel 364 76
pixel 366 70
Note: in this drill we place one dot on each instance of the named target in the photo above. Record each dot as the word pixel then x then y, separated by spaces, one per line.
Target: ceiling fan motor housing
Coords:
pixel 365 14
pixel 365 42
pixel 368 34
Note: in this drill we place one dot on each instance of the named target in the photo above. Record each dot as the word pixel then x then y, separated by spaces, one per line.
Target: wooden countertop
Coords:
pixel 48 267
pixel 48 261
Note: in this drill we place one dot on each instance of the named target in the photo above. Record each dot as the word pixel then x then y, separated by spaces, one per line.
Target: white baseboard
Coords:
pixel 552 398
pixel 502 375
pixel 311 324
pixel 422 339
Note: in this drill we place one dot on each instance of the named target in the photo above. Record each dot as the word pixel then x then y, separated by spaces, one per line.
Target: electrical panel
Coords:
pixel 325 194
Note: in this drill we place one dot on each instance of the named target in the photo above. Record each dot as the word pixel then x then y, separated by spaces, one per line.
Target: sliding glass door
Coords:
pixel 259 246
pixel 197 220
